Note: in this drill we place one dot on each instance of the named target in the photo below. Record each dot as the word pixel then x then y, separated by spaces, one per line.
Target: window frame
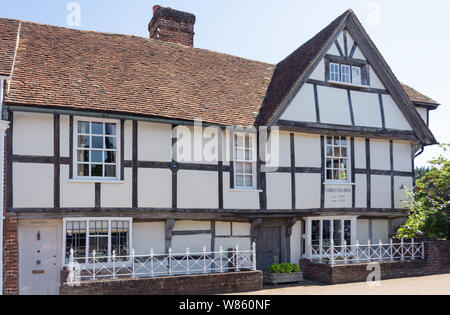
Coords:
pixel 88 220
pixel 253 161
pixel 353 230
pixel 75 149
pixel 331 61
pixel 348 158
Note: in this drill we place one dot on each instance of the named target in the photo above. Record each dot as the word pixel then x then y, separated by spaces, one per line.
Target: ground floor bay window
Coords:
pixel 102 235
pixel 322 232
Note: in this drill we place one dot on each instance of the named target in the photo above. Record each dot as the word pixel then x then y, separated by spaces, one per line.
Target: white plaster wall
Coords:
pixel 64 133
pixel 75 194
pixel 366 109
pixel 303 107
pixel 307 188
pixel 238 199
pixel 362 231
pixel 333 50
pixel 319 71
pixel 381 191
pixel 149 235
pixel 154 188
pixel 358 54
pixel 223 228
pixel 241 229
pixel 33 134
pixel 360 153
pixel 307 150
pixel 118 195
pixel 401 195
pixel 198 189
pixel 203 144
pixel 154 142
pixel 244 243
pixel 423 112
pixel 333 106
pixel 402 156
pixel 380 231
pixel 194 242
pixel 361 191
pixel 278 191
pixel 380 158
pixel 394 117
pixel 128 135
pixel 32 185
pixel 189 225
pixel 375 81
pixel 350 42
pixel 295 242
pixel 283 151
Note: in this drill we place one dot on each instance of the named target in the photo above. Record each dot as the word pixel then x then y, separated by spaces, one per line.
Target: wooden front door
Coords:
pixel 268 247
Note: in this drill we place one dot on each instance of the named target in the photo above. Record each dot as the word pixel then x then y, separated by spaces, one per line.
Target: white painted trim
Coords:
pixel 254 161
pixel 88 219
pixel 92 179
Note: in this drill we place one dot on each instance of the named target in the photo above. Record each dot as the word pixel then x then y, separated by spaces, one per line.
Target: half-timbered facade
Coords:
pixel 94 161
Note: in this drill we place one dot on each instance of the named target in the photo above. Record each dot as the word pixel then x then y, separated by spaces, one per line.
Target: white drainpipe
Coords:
pixel 3 127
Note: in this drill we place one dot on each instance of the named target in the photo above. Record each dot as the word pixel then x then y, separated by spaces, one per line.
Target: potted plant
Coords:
pixel 283 273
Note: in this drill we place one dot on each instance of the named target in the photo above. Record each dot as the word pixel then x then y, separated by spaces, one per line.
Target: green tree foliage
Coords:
pixel 430 203
pixel 421 171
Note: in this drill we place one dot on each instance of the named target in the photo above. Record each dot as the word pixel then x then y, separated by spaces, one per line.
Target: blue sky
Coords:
pixel 409 34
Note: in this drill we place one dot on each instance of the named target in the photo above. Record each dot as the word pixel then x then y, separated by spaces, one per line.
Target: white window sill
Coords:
pixel 348 84
pixel 245 190
pixel 339 183
pixel 93 181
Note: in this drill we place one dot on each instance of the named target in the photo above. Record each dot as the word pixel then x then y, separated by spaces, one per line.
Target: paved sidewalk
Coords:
pixel 430 285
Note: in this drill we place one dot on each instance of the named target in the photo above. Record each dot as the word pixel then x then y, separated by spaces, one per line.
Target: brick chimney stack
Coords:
pixel 172 26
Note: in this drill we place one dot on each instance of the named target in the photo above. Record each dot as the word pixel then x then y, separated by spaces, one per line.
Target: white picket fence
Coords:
pixel 367 253
pixel 159 265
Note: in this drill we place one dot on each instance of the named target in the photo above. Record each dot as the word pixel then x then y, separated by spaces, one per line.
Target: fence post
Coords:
pixel 380 250
pixel 254 255
pixel 93 262
pixel 369 255
pixel 402 244
pixel 114 264
pixel 345 252
pixel 391 249
pixel 412 250
pixel 151 263
pixel 187 261
pixel 204 259
pixel 133 252
pixel 170 261
pixel 357 251
pixel 220 259
pixel 332 253
pixel 72 267
pixel 237 257
pixel 423 250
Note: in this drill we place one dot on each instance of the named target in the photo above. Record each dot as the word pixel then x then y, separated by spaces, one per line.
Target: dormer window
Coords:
pixel 347 71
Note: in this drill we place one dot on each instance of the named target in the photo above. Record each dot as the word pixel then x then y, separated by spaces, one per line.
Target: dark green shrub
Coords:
pixel 284 268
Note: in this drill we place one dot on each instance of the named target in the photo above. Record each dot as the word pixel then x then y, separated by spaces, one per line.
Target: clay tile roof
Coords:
pixel 84 70
pixel 8 40
pixel 417 97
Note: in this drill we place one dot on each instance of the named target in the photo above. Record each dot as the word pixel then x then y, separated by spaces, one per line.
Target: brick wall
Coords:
pixel 192 285
pixel 437 260
pixel 10 256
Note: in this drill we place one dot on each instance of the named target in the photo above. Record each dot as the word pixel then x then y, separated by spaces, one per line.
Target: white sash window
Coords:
pixel 244 161
pixel 337 159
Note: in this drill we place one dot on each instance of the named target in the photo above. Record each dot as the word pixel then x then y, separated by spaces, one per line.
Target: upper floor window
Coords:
pixel 244 161
pixel 337 159
pixel 345 73
pixel 96 149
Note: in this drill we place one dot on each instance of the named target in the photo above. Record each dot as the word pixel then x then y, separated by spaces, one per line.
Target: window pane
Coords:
pixel 248 142
pixel 337 232
pixel 348 231
pixel 76 240
pixel 239 181
pixel 356 75
pixel 337 152
pixel 97 142
pixel 329 174
pixel 110 129
pixel 111 142
pixel 239 167
pixel 248 155
pixel 248 168
pixel 110 170
pixel 83 127
pixel 83 142
pixel 97 156
pixel 83 170
pixel 110 157
pixel 329 163
pixel 239 141
pixel 344 141
pixel 345 71
pixel 239 154
pixel 329 140
pixel 97 128
pixel 98 227
pixel 315 234
pixel 344 152
pixel 248 181
pixel 83 156
pixel 97 170
pixel 326 236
